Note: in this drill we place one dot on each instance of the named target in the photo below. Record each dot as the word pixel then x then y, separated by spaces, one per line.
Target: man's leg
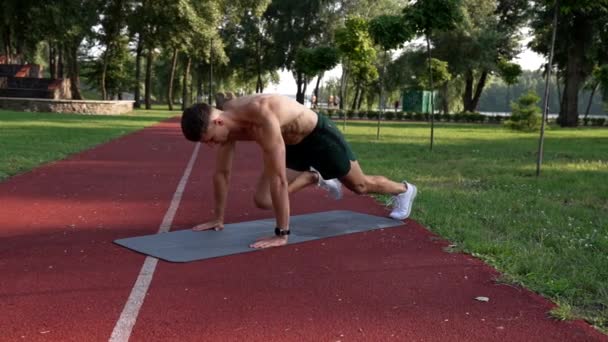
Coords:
pixel 297 181
pixel 360 183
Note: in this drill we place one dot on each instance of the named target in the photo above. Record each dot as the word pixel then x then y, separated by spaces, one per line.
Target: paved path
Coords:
pixel 62 278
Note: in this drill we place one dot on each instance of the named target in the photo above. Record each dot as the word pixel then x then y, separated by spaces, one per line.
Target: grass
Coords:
pixel 478 189
pixel 30 139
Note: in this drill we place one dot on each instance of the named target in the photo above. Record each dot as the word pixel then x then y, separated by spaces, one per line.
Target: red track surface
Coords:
pixel 62 278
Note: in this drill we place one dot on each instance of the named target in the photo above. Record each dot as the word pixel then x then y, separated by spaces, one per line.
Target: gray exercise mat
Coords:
pixel 187 245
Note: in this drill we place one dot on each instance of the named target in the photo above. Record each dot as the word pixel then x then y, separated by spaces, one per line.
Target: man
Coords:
pixel 300 148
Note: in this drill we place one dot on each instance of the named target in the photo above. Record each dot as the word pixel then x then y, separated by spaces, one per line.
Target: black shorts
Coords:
pixel 324 148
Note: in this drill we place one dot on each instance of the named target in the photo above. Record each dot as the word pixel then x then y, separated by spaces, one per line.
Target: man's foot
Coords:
pixel 403 202
pixel 333 186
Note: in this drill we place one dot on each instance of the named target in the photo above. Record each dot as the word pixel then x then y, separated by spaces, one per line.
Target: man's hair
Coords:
pixel 195 121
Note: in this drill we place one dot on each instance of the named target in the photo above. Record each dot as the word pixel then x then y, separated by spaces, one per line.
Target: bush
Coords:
pixel 372 115
pixel 419 116
pixel 598 121
pixel 361 114
pixel 409 116
pixel 350 114
pixel 340 114
pixel 525 113
pixel 459 117
pixel 389 115
pixel 400 116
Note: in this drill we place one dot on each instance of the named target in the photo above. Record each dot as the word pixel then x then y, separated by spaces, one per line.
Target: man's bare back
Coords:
pixel 295 120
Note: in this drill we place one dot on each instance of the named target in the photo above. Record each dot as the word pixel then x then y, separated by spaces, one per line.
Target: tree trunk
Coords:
pixel 360 99
pixel 568 115
pixel 104 70
pixel 468 89
pixel 316 91
pixel 199 84
pixel 428 48
pixel 60 62
pixel 185 98
pixel 171 78
pixel 356 97
pixel 559 92
pixel 148 86
pixel 52 61
pixel 343 86
pixel 478 91
pixel 74 71
pixel 7 43
pixel 136 93
pixel 445 98
pixel 259 86
pixel 300 93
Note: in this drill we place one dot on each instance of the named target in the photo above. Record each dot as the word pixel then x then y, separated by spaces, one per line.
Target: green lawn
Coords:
pixel 30 139
pixel 476 189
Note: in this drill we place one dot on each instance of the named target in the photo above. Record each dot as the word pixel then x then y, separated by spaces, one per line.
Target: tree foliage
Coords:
pixel 526 114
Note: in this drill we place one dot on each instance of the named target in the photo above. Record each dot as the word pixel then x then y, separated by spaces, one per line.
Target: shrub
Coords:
pixel 400 116
pixel 419 116
pixel 525 113
pixel 340 114
pixel 409 116
pixel 372 115
pixel 389 115
pixel 350 114
pixel 598 121
pixel 361 114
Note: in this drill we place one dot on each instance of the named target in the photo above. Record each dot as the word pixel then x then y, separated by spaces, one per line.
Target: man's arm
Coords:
pixel 273 148
pixel 221 180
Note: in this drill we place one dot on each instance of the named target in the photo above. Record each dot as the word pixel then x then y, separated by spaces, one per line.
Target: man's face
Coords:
pixel 216 133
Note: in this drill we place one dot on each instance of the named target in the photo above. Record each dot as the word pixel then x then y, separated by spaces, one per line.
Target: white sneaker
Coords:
pixel 403 202
pixel 333 186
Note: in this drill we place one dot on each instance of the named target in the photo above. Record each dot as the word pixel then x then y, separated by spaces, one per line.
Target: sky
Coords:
pixel 528 59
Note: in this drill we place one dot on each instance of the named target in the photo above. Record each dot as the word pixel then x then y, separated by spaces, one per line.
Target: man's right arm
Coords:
pixel 221 178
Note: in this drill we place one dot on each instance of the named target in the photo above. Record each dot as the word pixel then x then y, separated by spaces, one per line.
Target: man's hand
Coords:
pixel 215 225
pixel 271 241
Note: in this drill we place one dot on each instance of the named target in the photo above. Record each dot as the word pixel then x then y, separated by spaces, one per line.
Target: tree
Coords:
pixel 509 72
pixel 294 25
pixel 312 62
pixel 389 32
pixel 582 44
pixel 426 17
pixel 599 79
pixel 114 17
pixel 489 32
pixel 356 48
pixel 526 114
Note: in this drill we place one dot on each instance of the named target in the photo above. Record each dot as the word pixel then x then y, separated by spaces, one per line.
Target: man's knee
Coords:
pixel 360 188
pixel 262 203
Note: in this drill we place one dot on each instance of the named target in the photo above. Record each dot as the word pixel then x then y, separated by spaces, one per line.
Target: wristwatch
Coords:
pixel 281 231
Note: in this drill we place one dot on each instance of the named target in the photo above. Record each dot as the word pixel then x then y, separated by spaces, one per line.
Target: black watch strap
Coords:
pixel 281 232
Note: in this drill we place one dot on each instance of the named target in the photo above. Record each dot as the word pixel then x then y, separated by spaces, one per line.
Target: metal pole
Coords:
pixel 539 161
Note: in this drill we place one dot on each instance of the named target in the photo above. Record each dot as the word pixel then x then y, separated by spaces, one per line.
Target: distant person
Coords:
pixel 300 148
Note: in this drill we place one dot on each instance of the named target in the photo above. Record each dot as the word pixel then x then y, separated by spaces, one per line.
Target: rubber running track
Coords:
pixel 62 278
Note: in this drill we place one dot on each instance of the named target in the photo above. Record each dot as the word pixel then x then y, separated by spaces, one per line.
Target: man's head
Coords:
pixel 203 123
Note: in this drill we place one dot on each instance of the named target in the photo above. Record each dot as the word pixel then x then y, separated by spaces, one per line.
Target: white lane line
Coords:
pixel 128 317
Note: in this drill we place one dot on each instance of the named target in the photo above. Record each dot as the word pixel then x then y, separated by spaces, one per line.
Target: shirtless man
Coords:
pixel 300 148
